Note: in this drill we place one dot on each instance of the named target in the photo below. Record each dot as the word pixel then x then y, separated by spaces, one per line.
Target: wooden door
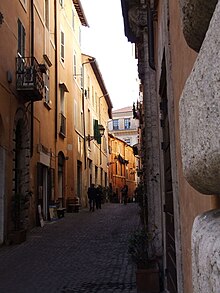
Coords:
pixel 170 246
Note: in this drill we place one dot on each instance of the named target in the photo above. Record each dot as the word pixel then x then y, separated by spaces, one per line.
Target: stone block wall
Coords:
pixel 200 115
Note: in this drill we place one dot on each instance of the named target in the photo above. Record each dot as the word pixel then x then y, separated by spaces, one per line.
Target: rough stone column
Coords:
pixel 151 141
pixel 138 24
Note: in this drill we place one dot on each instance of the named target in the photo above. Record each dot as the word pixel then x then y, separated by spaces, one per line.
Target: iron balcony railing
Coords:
pixel 29 78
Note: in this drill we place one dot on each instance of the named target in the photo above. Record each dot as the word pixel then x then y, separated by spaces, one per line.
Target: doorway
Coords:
pixel 2 185
pixel 21 161
pixel 170 241
pixel 61 179
pixel 79 179
pixel 44 189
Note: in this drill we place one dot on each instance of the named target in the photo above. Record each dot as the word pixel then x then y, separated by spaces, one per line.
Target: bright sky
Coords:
pixel 105 40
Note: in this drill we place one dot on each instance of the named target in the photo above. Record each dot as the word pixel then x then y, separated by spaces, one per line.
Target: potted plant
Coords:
pixel 20 203
pixel 147 273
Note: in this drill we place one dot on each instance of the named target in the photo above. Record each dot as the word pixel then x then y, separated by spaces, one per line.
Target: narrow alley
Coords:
pixel 83 252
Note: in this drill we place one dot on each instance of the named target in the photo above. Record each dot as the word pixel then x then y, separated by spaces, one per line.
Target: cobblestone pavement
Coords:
pixel 82 252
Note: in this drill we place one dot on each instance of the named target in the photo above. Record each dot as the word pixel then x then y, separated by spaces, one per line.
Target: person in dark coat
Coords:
pixel 99 197
pixel 124 193
pixel 92 197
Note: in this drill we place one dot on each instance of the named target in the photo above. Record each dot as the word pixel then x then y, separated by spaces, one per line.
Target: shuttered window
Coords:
pixel 62 45
pixel 21 39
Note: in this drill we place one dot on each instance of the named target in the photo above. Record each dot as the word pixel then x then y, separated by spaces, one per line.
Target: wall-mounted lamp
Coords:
pixel 101 131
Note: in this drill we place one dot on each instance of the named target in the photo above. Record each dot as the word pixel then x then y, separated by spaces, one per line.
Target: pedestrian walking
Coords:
pixel 92 197
pixel 99 197
pixel 124 193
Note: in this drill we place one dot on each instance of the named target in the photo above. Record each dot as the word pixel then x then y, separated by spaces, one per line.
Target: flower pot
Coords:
pixel 17 237
pixel 147 280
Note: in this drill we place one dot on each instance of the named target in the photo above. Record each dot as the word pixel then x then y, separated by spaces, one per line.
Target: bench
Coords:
pixel 72 205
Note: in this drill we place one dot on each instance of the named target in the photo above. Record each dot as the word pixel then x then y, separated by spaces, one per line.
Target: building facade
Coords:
pixel 43 106
pixel 97 111
pixel 176 45
pixel 124 126
pixel 122 167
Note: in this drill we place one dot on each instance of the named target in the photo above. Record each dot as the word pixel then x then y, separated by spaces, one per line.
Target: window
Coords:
pixel 115 124
pixel 127 123
pixel 62 101
pixel 80 36
pixel 46 13
pixel 74 66
pixel 81 121
pixel 82 79
pixel 96 102
pixel 73 19
pixel 88 87
pixel 75 114
pixel 89 122
pixel 62 44
pixel 62 113
pixel 46 87
pixel 93 97
pixel 127 140
pixel 21 39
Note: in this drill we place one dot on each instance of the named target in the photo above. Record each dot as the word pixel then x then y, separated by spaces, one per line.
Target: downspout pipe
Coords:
pixel 56 69
pixel 83 107
pixel 32 55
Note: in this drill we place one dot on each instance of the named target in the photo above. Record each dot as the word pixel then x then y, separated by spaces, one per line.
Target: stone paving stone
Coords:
pixel 83 252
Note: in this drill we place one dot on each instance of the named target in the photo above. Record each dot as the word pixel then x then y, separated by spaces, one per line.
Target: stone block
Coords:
pixel 200 115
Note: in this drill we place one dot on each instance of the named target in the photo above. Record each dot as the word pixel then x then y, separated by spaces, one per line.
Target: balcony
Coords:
pixel 29 79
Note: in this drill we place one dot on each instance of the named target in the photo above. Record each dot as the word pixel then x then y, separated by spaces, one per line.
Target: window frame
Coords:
pixel 47 87
pixel 74 65
pixel 127 123
pixel 115 124
pixel 73 19
pixel 62 46
pixel 62 101
pixel 47 13
pixel 21 39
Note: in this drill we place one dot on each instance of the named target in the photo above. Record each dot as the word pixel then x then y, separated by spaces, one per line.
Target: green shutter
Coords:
pixel 97 135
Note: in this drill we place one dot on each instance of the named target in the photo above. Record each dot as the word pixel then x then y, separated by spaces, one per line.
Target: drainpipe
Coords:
pixel 56 68
pixel 84 122
pixel 83 107
pixel 32 55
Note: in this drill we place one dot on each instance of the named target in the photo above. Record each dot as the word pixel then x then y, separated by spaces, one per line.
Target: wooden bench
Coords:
pixel 72 205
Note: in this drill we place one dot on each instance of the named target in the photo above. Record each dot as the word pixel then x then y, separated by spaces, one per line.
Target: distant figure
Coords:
pixel 92 197
pixel 98 197
pixel 124 193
